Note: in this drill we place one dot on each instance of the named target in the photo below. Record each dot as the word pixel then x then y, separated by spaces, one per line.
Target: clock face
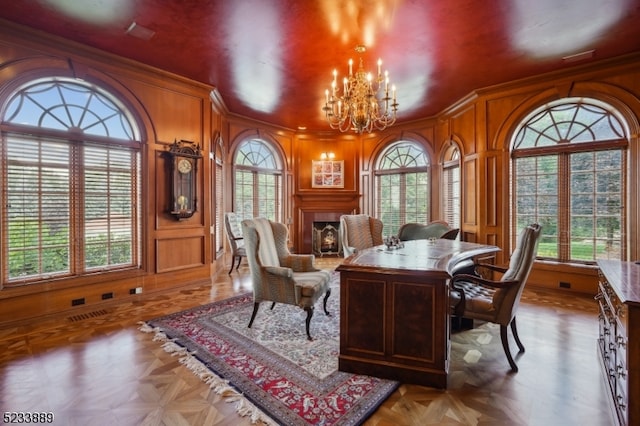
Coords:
pixel 184 166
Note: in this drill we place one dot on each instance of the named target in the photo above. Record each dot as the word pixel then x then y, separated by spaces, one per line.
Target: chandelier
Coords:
pixel 365 103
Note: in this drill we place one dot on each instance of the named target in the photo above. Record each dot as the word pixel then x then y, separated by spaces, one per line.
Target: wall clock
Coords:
pixel 183 171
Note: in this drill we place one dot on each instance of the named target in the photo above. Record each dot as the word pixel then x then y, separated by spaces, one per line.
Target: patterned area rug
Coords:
pixel 274 373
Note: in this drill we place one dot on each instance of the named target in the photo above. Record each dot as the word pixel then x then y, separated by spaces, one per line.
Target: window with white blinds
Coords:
pixel 451 188
pixel 569 173
pixel 402 186
pixel 257 184
pixel 71 187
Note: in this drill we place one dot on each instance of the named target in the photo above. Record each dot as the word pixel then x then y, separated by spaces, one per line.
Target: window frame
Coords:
pixel 560 140
pixel 452 187
pixel 82 117
pixel 401 165
pixel 259 167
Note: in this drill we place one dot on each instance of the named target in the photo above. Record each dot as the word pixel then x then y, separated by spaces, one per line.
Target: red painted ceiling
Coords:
pixel 272 60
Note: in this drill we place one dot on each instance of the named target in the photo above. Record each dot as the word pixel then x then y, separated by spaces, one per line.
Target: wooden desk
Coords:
pixel 394 310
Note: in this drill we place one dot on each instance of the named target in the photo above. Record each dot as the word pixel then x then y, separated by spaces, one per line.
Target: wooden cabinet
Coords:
pixel 619 337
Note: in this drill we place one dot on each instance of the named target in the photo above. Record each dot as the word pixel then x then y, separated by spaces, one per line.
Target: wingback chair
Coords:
pixel 475 297
pixel 359 231
pixel 234 236
pixel 279 276
pixel 423 231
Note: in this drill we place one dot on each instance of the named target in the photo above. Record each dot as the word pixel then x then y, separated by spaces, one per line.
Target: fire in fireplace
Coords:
pixel 326 238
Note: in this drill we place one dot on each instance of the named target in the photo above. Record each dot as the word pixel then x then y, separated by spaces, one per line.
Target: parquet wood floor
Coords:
pixel 97 368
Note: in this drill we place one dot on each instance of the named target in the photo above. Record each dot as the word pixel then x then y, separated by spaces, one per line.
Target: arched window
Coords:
pixel 71 182
pixel 258 181
pixel 402 186
pixel 568 173
pixel 451 187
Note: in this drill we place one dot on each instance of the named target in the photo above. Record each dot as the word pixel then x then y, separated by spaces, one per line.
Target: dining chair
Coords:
pixel 234 236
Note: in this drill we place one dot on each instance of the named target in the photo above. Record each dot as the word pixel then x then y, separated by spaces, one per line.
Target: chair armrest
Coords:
pixel 299 262
pixel 492 267
pixel 279 271
pixel 350 250
pixel 482 281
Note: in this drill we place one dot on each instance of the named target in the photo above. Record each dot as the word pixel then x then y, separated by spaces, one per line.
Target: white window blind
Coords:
pixel 72 192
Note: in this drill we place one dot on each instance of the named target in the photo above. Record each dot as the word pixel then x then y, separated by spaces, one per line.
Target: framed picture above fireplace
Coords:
pixel 327 174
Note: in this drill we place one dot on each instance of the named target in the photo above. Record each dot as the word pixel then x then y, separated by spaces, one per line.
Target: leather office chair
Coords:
pixel 234 236
pixel 359 231
pixel 475 297
pixel 279 276
pixel 423 231
pixel 451 234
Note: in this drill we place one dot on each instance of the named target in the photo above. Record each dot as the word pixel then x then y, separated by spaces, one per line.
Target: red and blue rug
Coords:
pixel 273 372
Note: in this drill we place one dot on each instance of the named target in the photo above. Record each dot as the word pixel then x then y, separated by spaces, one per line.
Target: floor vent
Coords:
pixel 80 317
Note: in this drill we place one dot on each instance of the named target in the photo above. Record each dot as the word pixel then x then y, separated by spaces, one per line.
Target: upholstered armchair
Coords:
pixel 475 297
pixel 359 231
pixel 423 231
pixel 279 276
pixel 234 236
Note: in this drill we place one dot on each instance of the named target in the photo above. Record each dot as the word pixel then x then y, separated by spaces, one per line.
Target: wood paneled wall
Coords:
pixel 171 107
pixel 168 107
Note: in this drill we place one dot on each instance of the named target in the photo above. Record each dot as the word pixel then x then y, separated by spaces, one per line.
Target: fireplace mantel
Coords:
pixel 320 206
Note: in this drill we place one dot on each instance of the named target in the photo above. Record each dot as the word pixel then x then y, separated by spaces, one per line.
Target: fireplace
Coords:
pixel 326 238
pixel 320 216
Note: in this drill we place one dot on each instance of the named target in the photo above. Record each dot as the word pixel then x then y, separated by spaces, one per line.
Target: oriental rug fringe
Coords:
pixel 271 371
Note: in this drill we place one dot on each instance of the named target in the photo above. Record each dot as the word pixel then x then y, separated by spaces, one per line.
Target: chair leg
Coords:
pixel 273 305
pixel 239 261
pixel 308 320
pixel 514 330
pixel 253 315
pixel 326 296
pixel 505 345
pixel 233 261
